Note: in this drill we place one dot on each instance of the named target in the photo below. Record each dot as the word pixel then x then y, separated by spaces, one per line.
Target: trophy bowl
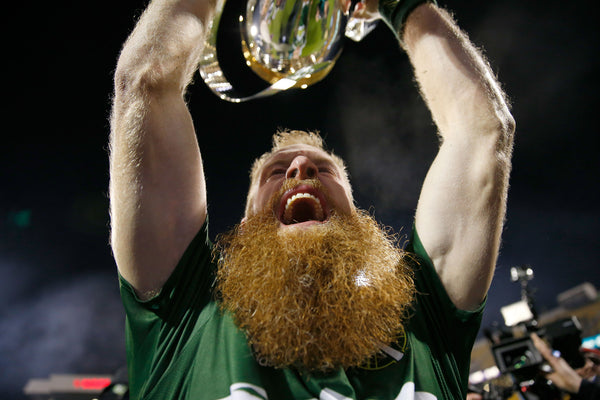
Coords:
pixel 287 43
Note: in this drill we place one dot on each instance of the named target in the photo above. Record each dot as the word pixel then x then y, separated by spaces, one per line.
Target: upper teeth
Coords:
pixel 291 200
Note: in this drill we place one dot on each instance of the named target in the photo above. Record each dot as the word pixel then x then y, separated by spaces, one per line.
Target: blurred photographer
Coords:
pixel 581 383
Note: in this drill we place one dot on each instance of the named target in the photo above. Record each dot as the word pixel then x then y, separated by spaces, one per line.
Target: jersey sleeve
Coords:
pixel 449 331
pixel 158 329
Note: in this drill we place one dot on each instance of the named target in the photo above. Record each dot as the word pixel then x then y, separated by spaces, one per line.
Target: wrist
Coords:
pixel 575 385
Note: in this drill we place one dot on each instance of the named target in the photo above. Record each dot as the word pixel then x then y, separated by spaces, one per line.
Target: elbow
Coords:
pixel 491 152
pixel 125 79
pixel 144 71
pixel 139 79
pixel 507 125
pixel 504 135
pixel 492 120
pixel 167 65
pixel 495 130
pixel 503 123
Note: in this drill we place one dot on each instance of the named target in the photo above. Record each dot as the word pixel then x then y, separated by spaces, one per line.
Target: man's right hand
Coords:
pixel 367 10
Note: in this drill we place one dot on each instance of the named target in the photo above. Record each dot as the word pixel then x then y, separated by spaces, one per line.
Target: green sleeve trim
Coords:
pixel 395 12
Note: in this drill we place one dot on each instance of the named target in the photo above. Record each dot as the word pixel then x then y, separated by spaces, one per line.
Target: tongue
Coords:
pixel 302 210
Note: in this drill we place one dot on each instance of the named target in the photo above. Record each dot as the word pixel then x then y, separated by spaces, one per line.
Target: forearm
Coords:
pixel 455 80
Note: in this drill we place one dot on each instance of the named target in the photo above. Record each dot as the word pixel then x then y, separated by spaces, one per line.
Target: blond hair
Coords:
pixel 284 138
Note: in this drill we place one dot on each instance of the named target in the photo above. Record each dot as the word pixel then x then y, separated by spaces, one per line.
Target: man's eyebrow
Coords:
pixel 314 154
pixel 274 163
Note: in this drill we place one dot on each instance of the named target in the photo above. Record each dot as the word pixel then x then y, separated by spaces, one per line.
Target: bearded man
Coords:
pixel 308 297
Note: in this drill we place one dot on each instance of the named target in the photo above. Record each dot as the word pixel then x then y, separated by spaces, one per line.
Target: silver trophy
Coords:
pixel 287 43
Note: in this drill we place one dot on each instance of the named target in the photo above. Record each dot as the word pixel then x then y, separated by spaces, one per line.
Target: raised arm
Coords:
pixel 157 188
pixel 463 200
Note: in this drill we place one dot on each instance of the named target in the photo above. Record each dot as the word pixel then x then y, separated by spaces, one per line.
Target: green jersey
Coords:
pixel 181 345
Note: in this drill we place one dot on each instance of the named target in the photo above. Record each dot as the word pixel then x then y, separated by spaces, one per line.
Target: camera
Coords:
pixel 519 356
pixel 520 366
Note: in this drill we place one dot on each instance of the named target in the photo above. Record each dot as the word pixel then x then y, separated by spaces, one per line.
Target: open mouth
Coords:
pixel 302 204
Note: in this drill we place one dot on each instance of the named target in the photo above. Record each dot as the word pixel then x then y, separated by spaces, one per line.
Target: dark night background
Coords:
pixel 60 309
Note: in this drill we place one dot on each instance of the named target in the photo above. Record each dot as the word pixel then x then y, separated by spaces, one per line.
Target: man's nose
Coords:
pixel 301 167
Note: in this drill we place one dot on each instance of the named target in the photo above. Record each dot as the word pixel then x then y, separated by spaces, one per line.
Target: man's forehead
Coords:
pixel 289 152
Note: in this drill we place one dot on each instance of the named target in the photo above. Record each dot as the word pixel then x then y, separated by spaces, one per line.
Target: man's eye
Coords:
pixel 276 172
pixel 326 170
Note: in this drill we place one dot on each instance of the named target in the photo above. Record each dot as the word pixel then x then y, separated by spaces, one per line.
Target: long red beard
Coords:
pixel 319 298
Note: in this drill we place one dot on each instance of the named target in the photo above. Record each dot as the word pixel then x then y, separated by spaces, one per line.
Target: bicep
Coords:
pixel 157 189
pixel 460 214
